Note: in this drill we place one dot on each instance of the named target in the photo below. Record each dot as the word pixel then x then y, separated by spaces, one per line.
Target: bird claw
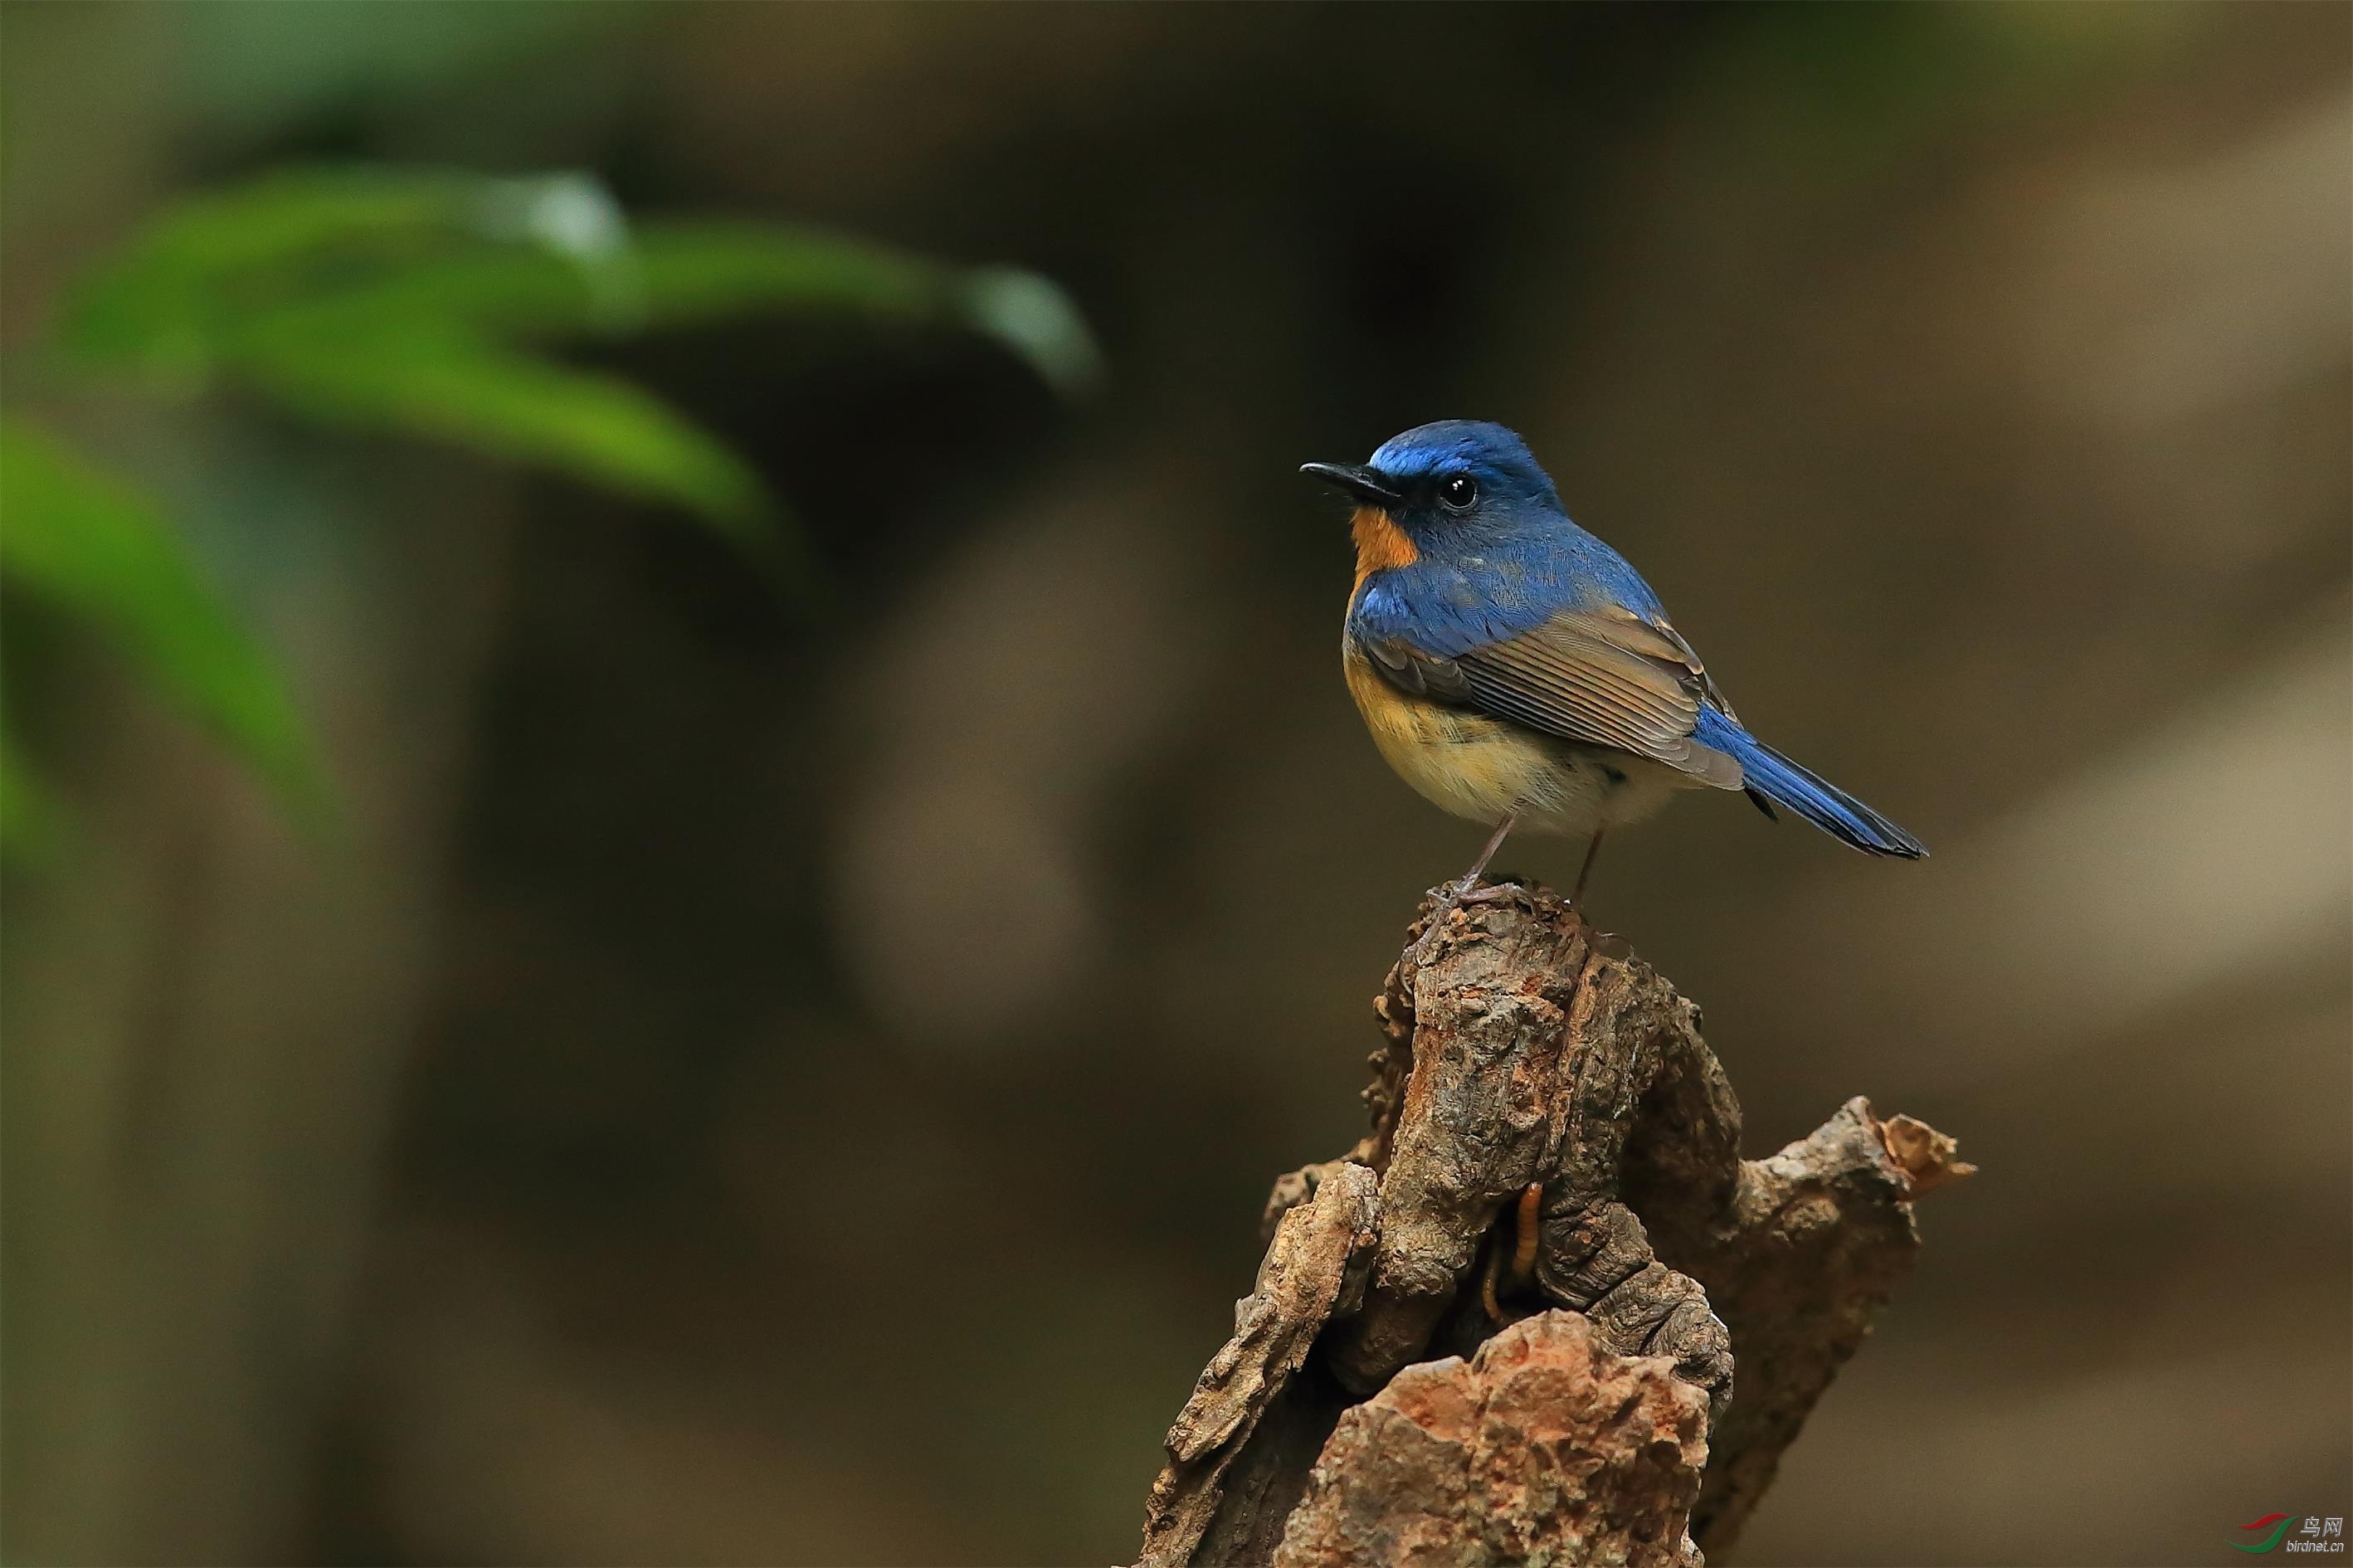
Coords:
pixel 1456 894
pixel 1460 894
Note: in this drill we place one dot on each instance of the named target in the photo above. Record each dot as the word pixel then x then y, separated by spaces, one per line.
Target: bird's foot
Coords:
pixel 1461 893
pixel 1466 891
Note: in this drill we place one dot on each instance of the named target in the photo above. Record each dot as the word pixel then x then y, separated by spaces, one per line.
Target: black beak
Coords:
pixel 1365 484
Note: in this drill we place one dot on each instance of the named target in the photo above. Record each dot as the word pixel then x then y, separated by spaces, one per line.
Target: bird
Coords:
pixel 1518 671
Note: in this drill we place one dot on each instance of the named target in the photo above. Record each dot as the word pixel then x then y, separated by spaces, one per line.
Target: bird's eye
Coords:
pixel 1458 492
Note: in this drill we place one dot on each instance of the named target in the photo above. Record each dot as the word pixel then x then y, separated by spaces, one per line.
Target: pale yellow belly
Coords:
pixel 1486 771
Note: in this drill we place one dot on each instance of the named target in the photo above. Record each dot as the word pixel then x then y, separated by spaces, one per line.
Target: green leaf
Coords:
pixel 100 550
pixel 212 259
pixel 705 271
pixel 31 819
pixel 455 388
pixel 405 300
pixel 668 275
pixel 1030 315
pixel 694 272
pixel 549 257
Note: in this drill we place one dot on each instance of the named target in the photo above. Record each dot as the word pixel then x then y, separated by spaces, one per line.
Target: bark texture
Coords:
pixel 1503 1328
pixel 1542 1448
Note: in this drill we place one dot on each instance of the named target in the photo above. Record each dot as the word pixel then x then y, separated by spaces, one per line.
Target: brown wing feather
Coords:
pixel 1663 643
pixel 1602 677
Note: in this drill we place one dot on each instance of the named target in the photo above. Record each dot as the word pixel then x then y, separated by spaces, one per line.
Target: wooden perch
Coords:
pixel 1503 1328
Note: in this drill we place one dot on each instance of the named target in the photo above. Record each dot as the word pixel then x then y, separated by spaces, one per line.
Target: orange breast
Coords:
pixel 1380 542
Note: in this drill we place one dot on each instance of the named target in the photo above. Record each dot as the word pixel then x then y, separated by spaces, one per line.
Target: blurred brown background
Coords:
pixel 773 1087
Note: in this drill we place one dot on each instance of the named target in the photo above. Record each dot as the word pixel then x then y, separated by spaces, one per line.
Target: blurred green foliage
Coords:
pixel 89 543
pixel 425 301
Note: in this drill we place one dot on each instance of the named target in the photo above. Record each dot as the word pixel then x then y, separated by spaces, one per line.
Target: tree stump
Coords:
pixel 1502 1329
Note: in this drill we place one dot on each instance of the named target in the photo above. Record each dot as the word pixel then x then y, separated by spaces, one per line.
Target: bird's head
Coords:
pixel 1439 488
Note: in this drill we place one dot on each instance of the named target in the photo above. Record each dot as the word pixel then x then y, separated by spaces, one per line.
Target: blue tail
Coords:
pixel 1770 776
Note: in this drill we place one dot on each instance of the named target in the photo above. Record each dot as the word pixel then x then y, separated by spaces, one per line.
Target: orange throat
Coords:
pixel 1380 542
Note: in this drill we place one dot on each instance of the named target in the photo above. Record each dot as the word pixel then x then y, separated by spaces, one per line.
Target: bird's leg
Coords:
pixel 1471 878
pixel 1467 890
pixel 1577 898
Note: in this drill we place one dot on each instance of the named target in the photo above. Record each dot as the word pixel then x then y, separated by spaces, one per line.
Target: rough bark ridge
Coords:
pixel 1502 1328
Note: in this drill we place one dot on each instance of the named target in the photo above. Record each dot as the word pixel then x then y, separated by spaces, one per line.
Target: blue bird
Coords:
pixel 1516 671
